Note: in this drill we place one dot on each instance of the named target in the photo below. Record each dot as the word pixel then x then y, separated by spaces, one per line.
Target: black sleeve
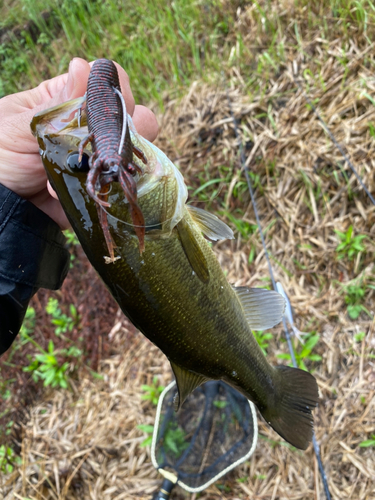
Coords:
pixel 32 256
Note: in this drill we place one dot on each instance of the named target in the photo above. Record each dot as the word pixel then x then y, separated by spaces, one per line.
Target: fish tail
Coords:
pixel 290 413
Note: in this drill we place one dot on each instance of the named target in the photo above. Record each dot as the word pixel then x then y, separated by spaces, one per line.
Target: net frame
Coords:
pixel 173 477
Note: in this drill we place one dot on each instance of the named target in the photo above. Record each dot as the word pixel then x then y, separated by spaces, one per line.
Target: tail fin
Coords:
pixel 290 415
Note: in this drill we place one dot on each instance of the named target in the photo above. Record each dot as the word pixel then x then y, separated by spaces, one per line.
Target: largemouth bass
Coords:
pixel 175 292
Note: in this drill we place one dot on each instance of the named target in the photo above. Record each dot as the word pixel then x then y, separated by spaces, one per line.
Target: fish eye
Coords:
pixel 75 166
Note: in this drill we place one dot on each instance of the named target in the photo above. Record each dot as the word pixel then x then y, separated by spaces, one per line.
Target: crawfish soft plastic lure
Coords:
pixel 112 158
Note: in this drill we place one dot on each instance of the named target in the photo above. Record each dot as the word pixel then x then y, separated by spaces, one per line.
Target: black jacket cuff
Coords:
pixel 32 256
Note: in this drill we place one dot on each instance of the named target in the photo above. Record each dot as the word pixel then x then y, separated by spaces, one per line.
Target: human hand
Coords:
pixel 21 168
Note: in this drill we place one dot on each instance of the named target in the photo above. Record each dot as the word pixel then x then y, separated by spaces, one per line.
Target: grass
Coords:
pixel 159 49
pixel 164 45
pixel 350 246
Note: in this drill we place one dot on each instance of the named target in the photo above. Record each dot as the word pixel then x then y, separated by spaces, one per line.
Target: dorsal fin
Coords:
pixel 263 308
pixel 210 225
pixel 186 382
pixel 193 251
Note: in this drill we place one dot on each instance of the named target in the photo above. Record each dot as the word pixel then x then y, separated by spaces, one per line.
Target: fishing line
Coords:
pixel 333 139
pixel 158 224
pixel 287 334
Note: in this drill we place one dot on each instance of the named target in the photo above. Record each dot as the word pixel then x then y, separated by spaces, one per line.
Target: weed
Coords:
pixel 152 391
pixel 252 254
pixel 8 459
pixel 224 487
pixel 368 442
pixel 358 337
pixel 148 429
pixel 46 366
pixel 350 246
pixel 220 404
pixel 371 129
pixel 243 227
pixel 243 479
pixel 71 237
pixel 174 438
pixel 354 296
pixel 8 427
pixel 305 352
pixel 63 322
pixel 262 339
pixel 28 324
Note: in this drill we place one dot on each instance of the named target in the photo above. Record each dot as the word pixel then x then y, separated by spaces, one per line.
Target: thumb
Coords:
pixel 64 87
pixel 19 109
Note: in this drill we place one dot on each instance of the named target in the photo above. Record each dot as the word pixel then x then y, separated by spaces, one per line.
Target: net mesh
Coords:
pixel 213 431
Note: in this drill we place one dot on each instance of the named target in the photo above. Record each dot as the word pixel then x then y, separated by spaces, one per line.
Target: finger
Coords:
pixel 125 89
pixel 22 107
pixel 145 122
pixel 64 87
pixel 51 191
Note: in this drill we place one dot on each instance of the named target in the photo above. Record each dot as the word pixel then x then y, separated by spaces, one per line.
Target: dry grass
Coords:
pixel 85 444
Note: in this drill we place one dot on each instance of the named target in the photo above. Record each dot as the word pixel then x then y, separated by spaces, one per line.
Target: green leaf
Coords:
pixel 309 346
pixel 63 383
pixel 367 443
pixel 284 355
pixel 146 442
pixel 146 428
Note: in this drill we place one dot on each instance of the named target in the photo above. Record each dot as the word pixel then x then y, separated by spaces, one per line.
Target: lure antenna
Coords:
pixel 124 122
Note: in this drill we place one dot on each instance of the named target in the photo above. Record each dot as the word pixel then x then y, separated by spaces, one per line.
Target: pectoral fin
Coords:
pixel 263 308
pixel 187 382
pixel 193 251
pixel 210 225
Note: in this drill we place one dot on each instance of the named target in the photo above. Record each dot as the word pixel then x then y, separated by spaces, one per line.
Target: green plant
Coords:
pixel 368 442
pixel 174 438
pixel 148 429
pixel 305 351
pixel 63 322
pixel 47 367
pixel 8 459
pixel 220 404
pixel 358 337
pixel 28 324
pixel 354 296
pixel 371 129
pixel 262 339
pixel 71 237
pixel 350 246
pixel 152 391
pixel 252 254
pixel 244 228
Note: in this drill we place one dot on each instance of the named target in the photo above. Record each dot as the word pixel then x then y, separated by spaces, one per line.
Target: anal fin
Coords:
pixel 187 382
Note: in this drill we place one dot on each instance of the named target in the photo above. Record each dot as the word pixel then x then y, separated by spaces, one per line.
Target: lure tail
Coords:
pixel 290 412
